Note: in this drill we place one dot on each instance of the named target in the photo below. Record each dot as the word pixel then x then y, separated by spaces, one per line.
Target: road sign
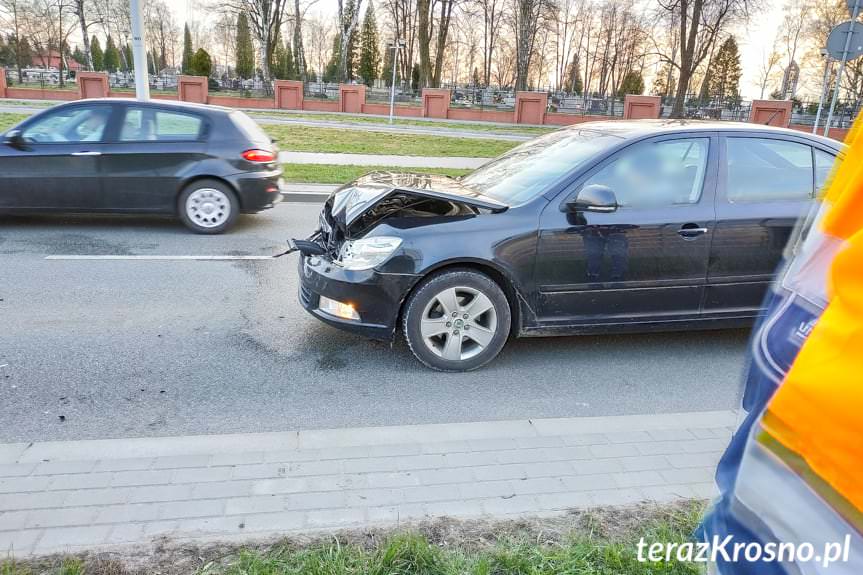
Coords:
pixel 838 36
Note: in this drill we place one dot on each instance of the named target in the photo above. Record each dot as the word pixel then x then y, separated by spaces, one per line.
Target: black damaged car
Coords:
pixel 612 226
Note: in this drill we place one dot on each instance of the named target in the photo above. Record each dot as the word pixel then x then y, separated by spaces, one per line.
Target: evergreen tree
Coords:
pixel 245 55
pixel 151 63
pixel 573 83
pixel 201 64
pixel 112 56
pixel 282 67
pixel 632 83
pixel 370 54
pixel 188 53
pixel 97 54
pixel 331 73
pixel 78 56
pixel 725 71
pixel 415 77
pixel 664 83
pixel 475 79
pixel 130 58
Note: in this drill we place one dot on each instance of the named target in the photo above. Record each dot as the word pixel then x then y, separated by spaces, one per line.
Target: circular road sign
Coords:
pixel 837 37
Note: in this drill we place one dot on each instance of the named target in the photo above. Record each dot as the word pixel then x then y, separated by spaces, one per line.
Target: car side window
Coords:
pixel 823 167
pixel 764 170
pixel 148 124
pixel 69 125
pixel 656 173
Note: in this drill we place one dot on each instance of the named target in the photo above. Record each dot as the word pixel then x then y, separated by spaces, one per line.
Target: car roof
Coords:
pixel 159 103
pixel 630 129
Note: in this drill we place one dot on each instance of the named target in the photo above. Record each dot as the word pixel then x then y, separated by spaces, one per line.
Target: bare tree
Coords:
pixel 700 23
pixel 527 17
pixel 347 28
pixel 162 32
pixel 767 69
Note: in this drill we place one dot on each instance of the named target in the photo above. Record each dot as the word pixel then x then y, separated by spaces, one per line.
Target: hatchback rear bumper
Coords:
pixel 258 190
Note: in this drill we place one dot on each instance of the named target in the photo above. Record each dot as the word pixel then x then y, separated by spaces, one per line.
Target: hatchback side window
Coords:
pixel 823 167
pixel 655 174
pixel 69 125
pixel 148 124
pixel 764 170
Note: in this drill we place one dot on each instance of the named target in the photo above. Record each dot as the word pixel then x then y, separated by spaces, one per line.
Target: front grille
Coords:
pixel 306 295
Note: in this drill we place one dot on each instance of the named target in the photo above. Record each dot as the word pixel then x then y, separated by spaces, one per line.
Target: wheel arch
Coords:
pixel 513 294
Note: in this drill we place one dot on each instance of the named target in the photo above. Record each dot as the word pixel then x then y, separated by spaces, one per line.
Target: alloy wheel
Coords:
pixel 458 323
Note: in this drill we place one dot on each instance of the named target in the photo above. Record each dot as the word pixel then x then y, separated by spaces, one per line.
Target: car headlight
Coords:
pixel 366 253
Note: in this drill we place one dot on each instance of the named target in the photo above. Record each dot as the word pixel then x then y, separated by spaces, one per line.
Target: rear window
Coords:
pixel 249 128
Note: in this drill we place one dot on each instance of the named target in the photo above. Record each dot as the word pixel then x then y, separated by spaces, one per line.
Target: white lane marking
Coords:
pixel 159 258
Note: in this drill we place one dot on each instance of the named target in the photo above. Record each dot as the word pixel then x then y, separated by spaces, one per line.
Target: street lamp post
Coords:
pixel 139 53
pixel 395 47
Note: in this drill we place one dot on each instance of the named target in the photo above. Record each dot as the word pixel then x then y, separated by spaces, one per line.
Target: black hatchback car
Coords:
pixel 204 163
pixel 625 225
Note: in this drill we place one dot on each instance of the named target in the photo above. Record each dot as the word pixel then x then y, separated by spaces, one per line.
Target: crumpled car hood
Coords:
pixel 349 202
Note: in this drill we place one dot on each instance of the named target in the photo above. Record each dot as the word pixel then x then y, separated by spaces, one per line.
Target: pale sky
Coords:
pixel 755 40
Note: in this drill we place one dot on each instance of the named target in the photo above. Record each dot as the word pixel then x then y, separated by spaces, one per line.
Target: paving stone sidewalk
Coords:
pixel 76 495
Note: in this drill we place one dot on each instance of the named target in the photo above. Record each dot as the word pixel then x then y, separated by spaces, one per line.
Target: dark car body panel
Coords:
pixel 135 176
pixel 671 278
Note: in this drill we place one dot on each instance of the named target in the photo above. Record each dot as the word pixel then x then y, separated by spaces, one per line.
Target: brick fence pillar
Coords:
pixel 192 89
pixel 2 82
pixel 352 97
pixel 289 94
pixel 435 102
pixel 92 85
pixel 641 107
pixel 771 112
pixel 530 107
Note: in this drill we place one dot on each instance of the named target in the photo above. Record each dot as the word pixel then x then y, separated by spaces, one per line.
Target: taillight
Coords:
pixel 259 156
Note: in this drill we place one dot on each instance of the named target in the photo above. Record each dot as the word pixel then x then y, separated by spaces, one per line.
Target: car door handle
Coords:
pixel 691 232
pixel 87 153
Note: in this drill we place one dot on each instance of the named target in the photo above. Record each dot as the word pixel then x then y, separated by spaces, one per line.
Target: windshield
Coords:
pixel 528 170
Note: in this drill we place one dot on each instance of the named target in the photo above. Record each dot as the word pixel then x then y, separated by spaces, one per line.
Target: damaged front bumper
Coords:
pixel 376 297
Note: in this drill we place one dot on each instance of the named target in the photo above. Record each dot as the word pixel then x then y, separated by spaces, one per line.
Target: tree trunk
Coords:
pixel 423 7
pixel 82 22
pixel 443 30
pixel 299 51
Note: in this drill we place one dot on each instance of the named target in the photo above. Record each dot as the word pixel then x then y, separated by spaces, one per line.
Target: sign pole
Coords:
pixel 139 51
pixel 849 35
pixel 395 48
pixel 823 91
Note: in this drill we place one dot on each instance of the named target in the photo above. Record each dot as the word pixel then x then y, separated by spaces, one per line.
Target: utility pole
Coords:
pixel 395 47
pixel 139 51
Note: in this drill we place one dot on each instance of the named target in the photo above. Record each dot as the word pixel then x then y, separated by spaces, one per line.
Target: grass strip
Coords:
pixel 441 124
pixel 9 120
pixel 337 174
pixel 599 542
pixel 341 141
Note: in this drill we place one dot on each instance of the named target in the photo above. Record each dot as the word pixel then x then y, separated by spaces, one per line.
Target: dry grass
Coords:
pixel 596 542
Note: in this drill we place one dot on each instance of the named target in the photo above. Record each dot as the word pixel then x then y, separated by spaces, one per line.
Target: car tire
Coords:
pixel 208 207
pixel 444 341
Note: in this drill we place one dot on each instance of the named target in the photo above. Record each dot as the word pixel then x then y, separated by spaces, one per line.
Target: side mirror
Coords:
pixel 14 138
pixel 594 198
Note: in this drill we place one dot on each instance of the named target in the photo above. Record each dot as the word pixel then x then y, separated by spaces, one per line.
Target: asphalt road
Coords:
pixel 98 349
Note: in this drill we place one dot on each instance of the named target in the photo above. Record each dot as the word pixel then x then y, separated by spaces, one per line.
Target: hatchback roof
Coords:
pixel 159 102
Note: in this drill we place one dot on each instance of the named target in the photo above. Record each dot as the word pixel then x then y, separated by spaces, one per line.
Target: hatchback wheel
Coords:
pixel 208 207
pixel 457 321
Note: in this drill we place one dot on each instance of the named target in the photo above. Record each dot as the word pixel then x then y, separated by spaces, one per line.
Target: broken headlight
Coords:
pixel 366 253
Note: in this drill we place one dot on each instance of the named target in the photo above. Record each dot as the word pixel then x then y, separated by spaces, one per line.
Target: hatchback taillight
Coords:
pixel 259 156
